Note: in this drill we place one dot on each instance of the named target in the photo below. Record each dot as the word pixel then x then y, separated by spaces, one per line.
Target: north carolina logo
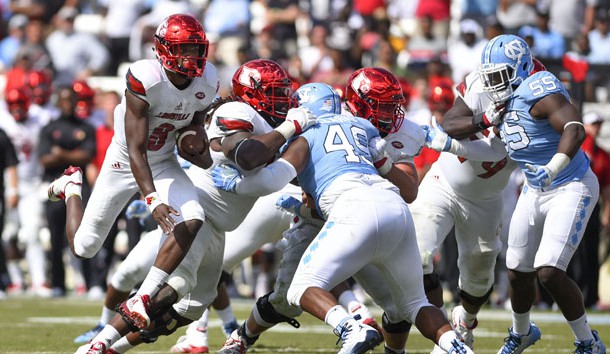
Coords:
pixel 514 50
pixel 361 84
pixel 249 77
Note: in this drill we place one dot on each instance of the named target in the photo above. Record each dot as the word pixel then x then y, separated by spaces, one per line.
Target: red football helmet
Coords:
pixel 18 103
pixel 440 97
pixel 39 83
pixel 84 99
pixel 264 85
pixel 376 94
pixel 181 45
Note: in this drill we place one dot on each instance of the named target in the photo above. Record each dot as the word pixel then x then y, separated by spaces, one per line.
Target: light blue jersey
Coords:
pixel 338 144
pixel 531 141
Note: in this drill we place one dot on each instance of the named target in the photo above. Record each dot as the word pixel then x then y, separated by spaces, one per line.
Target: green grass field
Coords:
pixel 29 325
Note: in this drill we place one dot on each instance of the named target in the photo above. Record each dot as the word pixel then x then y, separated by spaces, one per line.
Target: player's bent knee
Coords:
pixel 86 246
pixel 180 285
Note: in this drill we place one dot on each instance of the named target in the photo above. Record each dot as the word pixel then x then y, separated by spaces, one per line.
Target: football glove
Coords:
pixel 226 177
pixel 436 138
pixel 380 157
pixel 297 121
pixel 289 203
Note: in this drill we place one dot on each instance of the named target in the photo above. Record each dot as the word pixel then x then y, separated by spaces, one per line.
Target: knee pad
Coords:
pixel 474 300
pixel 265 312
pixel 163 325
pixel 431 282
pixel 399 327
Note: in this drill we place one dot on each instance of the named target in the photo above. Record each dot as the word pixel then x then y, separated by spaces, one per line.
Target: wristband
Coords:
pixel 152 201
pixel 558 163
pixel 287 129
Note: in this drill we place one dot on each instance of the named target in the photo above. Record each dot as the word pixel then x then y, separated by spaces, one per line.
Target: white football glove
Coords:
pixel 493 114
pixel 436 138
pixel 297 121
pixel 381 160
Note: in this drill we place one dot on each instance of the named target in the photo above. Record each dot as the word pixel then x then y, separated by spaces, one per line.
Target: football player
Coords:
pixel 246 130
pixel 542 132
pixel 340 163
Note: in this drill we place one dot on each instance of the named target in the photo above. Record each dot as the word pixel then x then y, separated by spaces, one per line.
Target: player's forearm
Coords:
pixel 479 150
pixel 258 150
pixel 140 168
pixel 404 176
pixel 571 139
pixel 267 180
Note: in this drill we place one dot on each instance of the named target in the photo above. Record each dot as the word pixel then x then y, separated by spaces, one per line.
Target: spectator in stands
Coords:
pixel 569 18
pixel 9 46
pixel 41 9
pixel 119 17
pixel 75 55
pixel 315 56
pixel 465 53
pixel 63 142
pixel 427 46
pixel 584 267
pixel 438 11
pixel 34 47
pixel 478 10
pixel 548 44
pixel 281 16
pixel 514 14
pixel 8 168
pixel 599 39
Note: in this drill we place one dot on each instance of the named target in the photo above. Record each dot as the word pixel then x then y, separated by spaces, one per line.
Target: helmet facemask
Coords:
pixel 498 80
pixel 186 58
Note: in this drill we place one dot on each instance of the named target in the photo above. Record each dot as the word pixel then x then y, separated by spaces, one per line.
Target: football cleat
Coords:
pixel 93 348
pixel 89 335
pixel 516 343
pixel 57 189
pixel 358 338
pixel 135 311
pixel 462 328
pixel 235 344
pixel 459 347
pixel 592 346
pixel 195 341
pixel 363 315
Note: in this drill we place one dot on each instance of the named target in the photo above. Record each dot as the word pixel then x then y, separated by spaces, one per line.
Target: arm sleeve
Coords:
pixel 267 180
pixel 488 149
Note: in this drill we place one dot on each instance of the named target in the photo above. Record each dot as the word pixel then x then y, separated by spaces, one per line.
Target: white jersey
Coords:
pixel 170 108
pixel 24 136
pixel 229 118
pixel 469 178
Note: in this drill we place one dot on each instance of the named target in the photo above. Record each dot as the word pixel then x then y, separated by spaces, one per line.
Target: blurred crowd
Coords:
pixel 51 49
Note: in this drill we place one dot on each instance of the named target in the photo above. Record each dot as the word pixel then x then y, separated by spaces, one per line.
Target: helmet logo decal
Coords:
pixel 162 30
pixel 249 77
pixel 305 95
pixel 514 50
pixel 361 84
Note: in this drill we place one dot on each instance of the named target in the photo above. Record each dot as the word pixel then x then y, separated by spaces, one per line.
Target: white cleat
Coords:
pixel 195 341
pixel 462 327
pixel 57 189
pixel 358 338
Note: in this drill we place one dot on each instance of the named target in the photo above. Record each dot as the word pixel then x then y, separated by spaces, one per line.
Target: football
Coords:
pixel 191 140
